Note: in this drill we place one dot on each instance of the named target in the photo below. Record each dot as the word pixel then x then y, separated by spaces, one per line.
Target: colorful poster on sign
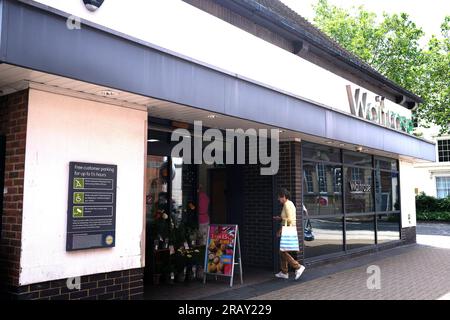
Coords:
pixel 220 249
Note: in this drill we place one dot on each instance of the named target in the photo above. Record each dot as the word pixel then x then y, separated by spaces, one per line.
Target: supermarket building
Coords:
pixel 107 88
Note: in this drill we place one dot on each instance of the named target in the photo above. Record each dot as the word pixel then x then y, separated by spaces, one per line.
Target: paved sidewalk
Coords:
pixel 421 273
pixel 434 234
pixel 418 272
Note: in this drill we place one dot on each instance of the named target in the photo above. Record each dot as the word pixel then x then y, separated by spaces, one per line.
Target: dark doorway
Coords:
pixel 218 195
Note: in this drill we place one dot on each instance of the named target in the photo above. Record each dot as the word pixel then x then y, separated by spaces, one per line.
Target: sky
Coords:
pixel 428 14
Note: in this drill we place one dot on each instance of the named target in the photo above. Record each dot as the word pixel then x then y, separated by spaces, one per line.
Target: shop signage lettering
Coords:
pixel 91 213
pixel 375 110
pixel 359 187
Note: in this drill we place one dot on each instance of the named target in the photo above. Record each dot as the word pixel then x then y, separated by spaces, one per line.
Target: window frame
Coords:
pixel 438 152
pixel 446 177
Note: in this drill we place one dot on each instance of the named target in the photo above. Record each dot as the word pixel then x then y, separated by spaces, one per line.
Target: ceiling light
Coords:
pixel 153 140
pixel 93 5
pixel 329 142
pixel 212 116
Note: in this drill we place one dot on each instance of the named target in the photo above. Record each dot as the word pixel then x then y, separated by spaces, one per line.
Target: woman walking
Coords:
pixel 289 238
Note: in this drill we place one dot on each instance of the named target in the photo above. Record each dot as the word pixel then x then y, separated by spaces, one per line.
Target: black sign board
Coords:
pixel 91 213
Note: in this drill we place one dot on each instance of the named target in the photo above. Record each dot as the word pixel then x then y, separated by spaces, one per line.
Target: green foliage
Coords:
pixel 433 216
pixel 426 203
pixel 432 209
pixel 392 46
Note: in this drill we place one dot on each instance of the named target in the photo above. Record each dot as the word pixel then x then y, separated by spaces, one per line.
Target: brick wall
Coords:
pixel 260 205
pixel 215 9
pixel 257 233
pixel 408 235
pixel 290 177
pixel 119 285
pixel 13 121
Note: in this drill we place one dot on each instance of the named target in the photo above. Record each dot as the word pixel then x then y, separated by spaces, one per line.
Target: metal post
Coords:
pixel 240 257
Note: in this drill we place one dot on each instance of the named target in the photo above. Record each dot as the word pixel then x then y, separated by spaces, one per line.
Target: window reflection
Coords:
pixel 386 164
pixel 370 187
pixel 322 184
pixel 156 185
pixel 358 190
pixel 328 237
pixel 388 226
pixel 360 231
pixel 387 191
pixel 357 159
pixel 177 190
pixel 321 153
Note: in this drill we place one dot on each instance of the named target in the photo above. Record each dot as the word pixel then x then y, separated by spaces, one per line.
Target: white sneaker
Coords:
pixel 298 272
pixel 282 275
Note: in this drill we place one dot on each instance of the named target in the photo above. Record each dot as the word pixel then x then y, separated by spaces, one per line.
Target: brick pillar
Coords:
pixel 408 235
pixel 290 177
pixel 257 234
pixel 13 124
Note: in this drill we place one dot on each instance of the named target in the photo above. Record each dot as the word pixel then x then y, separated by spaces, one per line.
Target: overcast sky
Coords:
pixel 428 14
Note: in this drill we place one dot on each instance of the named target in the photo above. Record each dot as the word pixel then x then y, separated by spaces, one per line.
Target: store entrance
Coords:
pixel 181 200
pixel 179 195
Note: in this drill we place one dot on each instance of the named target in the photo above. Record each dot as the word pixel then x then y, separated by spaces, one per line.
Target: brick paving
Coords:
pixel 420 273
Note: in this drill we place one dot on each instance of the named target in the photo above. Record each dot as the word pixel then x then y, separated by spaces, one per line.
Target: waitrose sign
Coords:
pixel 375 110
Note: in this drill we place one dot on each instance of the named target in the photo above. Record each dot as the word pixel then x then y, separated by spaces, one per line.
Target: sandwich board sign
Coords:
pixel 223 252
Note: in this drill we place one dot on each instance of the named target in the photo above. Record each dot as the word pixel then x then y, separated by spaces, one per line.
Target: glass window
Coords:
pixel 323 205
pixel 157 186
pixel 387 191
pixel 358 190
pixel 360 231
pixel 443 187
pixel 357 159
pixel 328 237
pixel 371 191
pixel 323 188
pixel 319 152
pixel 308 180
pixel 386 164
pixel 337 179
pixel 177 189
pixel 444 150
pixel 388 227
pixel 322 177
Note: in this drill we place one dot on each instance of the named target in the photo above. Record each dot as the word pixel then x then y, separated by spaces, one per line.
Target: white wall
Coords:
pixel 407 194
pixel 63 129
pixel 425 181
pixel 182 28
pixel 426 173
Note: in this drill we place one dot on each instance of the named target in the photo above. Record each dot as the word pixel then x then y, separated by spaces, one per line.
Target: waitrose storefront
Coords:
pixel 98 97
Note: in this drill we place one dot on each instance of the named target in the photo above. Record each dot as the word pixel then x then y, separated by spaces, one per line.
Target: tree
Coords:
pixel 391 44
